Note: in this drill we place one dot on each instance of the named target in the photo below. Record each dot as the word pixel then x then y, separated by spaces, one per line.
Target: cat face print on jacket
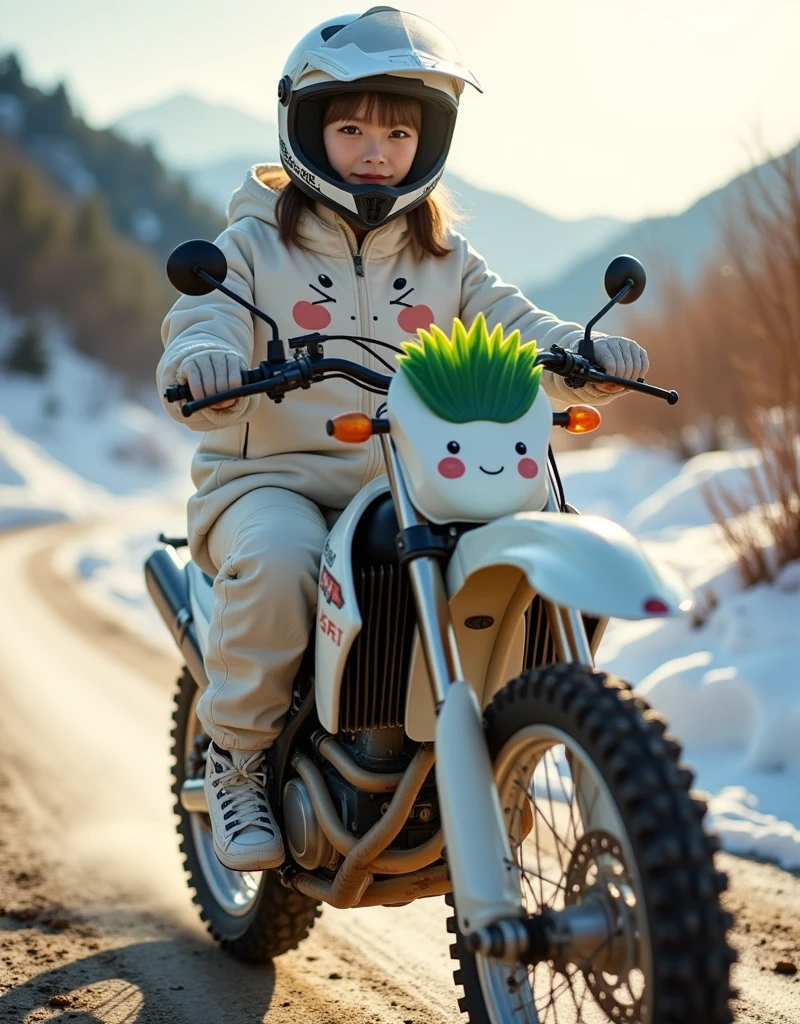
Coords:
pixel 410 316
pixel 311 314
pixel 471 424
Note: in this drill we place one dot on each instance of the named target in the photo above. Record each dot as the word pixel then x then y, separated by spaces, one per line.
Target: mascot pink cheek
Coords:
pixel 413 317
pixel 311 317
pixel 527 468
pixel 451 469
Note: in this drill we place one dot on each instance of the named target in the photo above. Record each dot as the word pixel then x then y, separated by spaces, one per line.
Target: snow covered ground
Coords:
pixel 727 677
pixel 72 447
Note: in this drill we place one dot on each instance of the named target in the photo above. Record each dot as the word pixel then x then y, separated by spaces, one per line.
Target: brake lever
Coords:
pixel 601 377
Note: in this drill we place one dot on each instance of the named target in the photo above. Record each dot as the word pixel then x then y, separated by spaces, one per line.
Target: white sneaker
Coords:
pixel 246 837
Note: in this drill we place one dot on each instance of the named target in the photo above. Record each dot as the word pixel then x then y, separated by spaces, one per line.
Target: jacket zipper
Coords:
pixel 358 264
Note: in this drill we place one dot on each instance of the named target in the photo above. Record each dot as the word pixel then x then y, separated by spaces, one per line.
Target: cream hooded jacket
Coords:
pixel 382 292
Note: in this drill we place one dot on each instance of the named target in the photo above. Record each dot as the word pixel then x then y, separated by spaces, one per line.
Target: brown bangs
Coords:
pixel 382 108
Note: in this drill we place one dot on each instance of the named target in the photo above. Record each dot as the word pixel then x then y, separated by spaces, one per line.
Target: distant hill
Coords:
pixel 63 255
pixel 214 145
pixel 678 246
pixel 86 220
pixel 187 132
pixel 146 201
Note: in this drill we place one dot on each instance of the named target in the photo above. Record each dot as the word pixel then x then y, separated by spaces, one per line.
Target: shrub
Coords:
pixel 28 352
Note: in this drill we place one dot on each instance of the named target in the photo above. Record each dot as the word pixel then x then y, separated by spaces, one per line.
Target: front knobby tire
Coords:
pixel 253 915
pixel 565 722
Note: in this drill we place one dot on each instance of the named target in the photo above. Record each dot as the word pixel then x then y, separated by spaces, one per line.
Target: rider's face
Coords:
pixel 363 152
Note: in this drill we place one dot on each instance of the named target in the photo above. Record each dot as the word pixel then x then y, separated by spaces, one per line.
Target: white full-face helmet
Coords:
pixel 382 50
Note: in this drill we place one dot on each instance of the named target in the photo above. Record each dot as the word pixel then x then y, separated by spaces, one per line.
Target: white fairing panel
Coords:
pixel 584 562
pixel 338 616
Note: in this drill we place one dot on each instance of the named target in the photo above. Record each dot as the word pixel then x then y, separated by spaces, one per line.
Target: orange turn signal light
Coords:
pixel 583 419
pixel 355 427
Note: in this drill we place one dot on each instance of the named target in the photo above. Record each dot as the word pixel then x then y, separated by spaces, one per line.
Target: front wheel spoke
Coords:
pixel 529 871
pixel 559 841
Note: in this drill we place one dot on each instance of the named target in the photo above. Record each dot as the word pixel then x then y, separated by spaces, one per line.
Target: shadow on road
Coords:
pixel 161 981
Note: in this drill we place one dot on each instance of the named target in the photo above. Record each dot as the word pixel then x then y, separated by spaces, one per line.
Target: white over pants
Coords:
pixel 267 548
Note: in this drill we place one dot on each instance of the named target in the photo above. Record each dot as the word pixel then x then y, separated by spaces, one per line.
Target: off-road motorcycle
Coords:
pixel 449 733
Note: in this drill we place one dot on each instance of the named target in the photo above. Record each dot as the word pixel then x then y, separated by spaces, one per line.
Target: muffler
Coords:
pixel 167 585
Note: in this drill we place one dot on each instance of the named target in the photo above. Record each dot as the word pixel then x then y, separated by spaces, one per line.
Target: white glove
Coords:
pixel 620 357
pixel 210 371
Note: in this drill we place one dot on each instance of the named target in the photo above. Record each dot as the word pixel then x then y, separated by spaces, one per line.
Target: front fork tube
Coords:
pixel 569 634
pixel 477 848
pixel 572 645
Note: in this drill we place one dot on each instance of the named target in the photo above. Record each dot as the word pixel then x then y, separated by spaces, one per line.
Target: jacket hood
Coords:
pixel 320 229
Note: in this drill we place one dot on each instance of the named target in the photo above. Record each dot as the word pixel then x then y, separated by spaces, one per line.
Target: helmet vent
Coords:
pixel 331 30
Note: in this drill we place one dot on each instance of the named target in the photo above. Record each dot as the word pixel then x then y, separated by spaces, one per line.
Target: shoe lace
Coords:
pixel 244 800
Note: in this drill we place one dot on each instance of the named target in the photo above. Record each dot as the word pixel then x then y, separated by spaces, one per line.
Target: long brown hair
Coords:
pixel 428 223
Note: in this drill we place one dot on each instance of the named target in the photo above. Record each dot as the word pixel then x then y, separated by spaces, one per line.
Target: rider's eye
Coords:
pixel 400 283
pixel 521 448
pixel 325 281
pixel 453 447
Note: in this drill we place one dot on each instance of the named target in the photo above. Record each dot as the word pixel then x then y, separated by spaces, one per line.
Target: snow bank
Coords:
pixel 80 415
pixel 726 678
pixel 74 446
pixel 34 487
pixel 108 566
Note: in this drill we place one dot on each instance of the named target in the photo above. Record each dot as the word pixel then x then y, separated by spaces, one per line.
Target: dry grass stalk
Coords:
pixel 763 241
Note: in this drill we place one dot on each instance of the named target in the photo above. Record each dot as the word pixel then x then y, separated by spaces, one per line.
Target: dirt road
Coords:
pixel 96 924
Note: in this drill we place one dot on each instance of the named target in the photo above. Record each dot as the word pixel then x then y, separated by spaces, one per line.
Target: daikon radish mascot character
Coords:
pixel 470 423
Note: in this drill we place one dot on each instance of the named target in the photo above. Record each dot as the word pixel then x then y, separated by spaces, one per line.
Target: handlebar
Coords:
pixel 577 371
pixel 276 379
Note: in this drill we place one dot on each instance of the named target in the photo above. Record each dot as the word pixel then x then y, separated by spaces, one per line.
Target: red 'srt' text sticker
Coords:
pixel 330 588
pixel 330 629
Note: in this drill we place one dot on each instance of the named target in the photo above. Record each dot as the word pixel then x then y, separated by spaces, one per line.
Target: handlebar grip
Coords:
pixel 181 392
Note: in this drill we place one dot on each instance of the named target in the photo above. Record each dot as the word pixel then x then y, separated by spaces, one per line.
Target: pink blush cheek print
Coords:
pixel 412 318
pixel 309 316
pixel 451 469
pixel 527 468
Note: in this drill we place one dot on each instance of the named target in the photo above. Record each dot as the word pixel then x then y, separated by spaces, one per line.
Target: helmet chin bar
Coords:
pixel 305 161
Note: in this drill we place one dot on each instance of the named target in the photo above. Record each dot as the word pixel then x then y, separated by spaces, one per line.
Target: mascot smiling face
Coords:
pixel 470 424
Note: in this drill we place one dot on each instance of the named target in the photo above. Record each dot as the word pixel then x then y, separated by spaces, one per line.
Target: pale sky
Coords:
pixel 621 107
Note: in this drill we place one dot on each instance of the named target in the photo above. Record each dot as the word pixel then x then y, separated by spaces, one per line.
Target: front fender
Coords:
pixel 584 562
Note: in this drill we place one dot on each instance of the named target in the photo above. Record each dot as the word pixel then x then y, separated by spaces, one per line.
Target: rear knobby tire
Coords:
pixel 275 919
pixel 626 742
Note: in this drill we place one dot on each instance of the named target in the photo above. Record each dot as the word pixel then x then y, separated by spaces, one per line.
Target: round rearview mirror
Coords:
pixel 187 257
pixel 620 270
